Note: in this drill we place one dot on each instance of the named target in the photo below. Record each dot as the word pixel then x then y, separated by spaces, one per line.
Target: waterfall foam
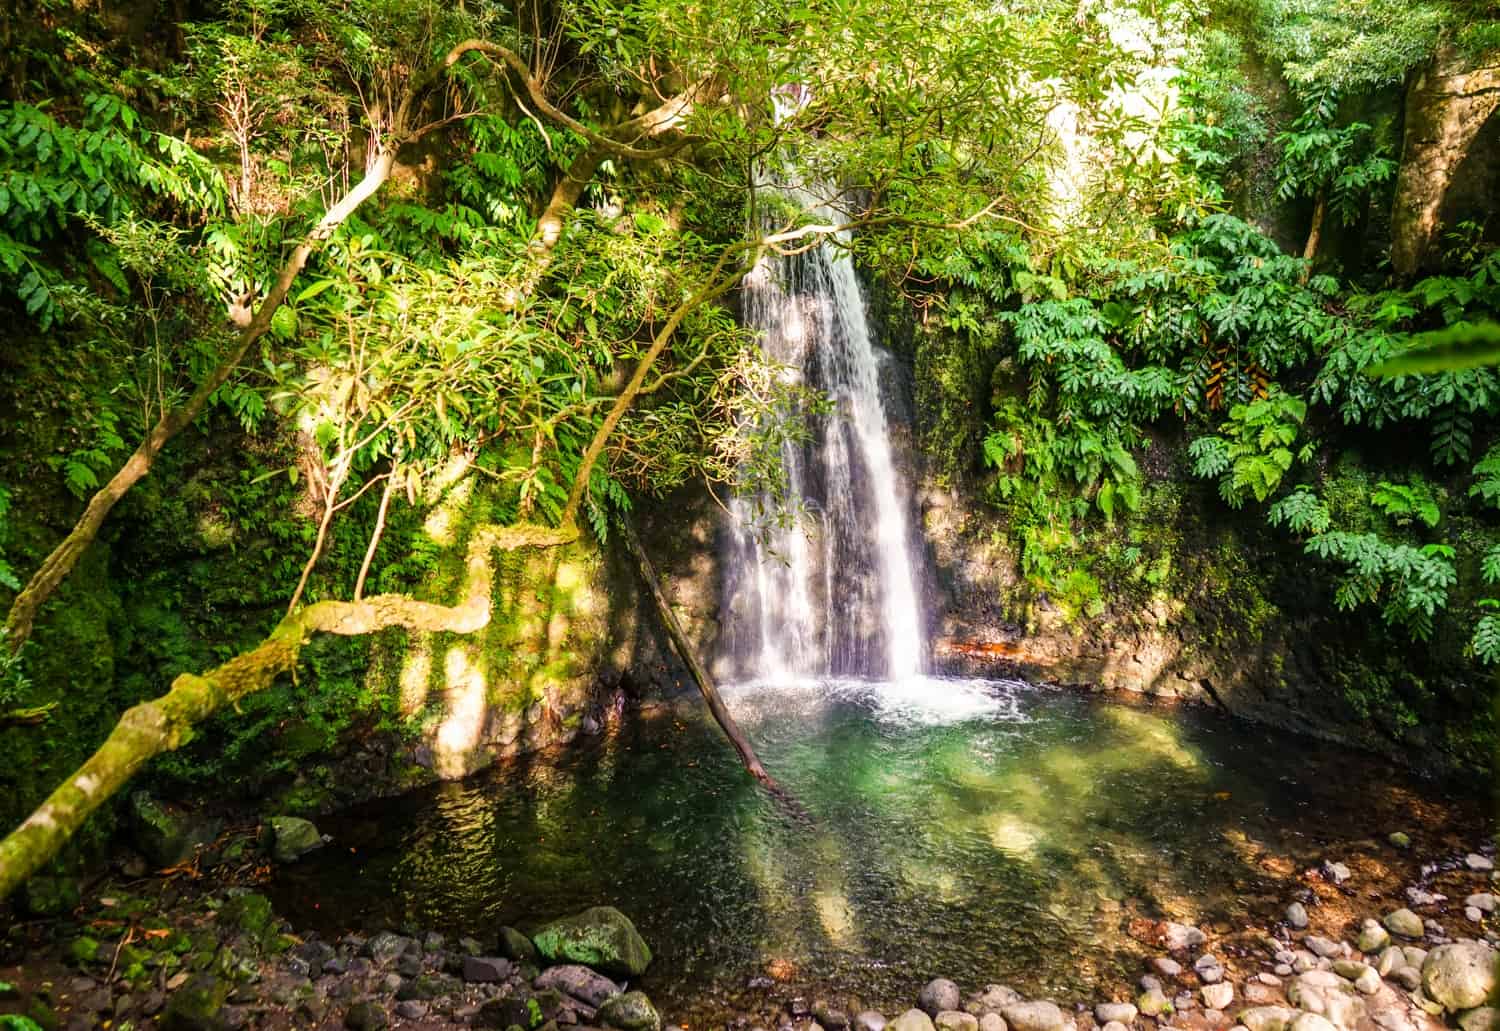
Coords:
pixel 835 593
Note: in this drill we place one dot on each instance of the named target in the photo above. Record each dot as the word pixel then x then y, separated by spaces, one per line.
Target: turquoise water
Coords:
pixel 983 831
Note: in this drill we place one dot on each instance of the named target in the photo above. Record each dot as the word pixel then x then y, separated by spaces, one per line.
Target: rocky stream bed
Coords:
pixel 197 947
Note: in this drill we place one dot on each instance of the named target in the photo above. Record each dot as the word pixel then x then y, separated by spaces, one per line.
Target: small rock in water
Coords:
pixel 1032 1016
pixel 1482 901
pixel 1258 993
pixel 1391 959
pixel 1474 914
pixel 1409 978
pixel 1115 1025
pixel 1400 839
pixel 1118 1012
pixel 1154 1003
pixel 869 1020
pixel 938 995
pixel 1150 981
pixel 1372 936
pixel 411 1009
pixel 993 999
pixel 1208 968
pixel 1475 861
pixel 911 1020
pixel 1296 915
pixel 1404 922
pixel 1418 896
pixel 1218 996
pixel 1368 982
pixel 292 838
pixel 992 1022
pixel 1283 970
pixel 1271 979
pixel 1166 966
pixel 1180 937
pixel 1325 947
pixel 955 1020
pixel 1268 1018
pixel 1338 872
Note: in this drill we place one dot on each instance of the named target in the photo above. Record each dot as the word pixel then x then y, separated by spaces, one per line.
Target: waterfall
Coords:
pixel 835 592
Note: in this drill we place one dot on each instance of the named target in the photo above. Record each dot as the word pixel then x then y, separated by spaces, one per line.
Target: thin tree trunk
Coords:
pixel 164 723
pixel 385 504
pixel 689 656
pixel 57 565
pixel 1314 234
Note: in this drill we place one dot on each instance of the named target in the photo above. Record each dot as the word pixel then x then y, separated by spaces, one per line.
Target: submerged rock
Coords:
pixel 1268 1018
pixel 1459 976
pixel 1405 923
pixel 1153 1002
pixel 601 937
pixel 1296 915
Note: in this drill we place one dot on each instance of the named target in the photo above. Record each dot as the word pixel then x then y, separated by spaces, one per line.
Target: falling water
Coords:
pixel 835 593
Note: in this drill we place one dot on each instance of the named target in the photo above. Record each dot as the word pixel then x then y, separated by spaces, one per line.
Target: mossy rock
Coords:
pixel 515 945
pixel 630 1012
pixel 250 913
pixel 292 838
pixel 196 1006
pixel 601 937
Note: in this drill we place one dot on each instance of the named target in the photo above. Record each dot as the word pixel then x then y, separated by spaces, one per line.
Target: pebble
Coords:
pixel 1400 839
pixel 1474 914
pixel 955 1020
pixel 1404 922
pixel 1217 996
pixel 1154 1003
pixel 1166 966
pixel 1270 979
pixel 1115 1025
pixel 1482 901
pixel 1296 915
pixel 1283 970
pixel 1372 936
pixel 870 1020
pixel 1325 947
pixel 1033 1016
pixel 1481 864
pixel 992 1022
pixel 1338 871
pixel 1115 1012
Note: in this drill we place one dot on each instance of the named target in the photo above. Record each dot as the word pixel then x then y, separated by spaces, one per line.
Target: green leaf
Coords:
pixel 1445 350
pixel 284 322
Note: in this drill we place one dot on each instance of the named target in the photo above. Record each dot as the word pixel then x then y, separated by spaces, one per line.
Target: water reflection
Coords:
pixel 987 831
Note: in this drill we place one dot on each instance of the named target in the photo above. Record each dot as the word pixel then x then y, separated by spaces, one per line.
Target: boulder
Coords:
pixel 1459 976
pixel 1032 1016
pixel 601 937
pixel 292 838
pixel 579 982
pixel 631 1011
pixel 938 995
pixel 911 1020
pixel 1404 923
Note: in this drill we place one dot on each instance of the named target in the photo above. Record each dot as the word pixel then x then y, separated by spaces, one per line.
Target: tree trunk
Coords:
pixel 689 656
pixel 1315 231
pixel 1446 106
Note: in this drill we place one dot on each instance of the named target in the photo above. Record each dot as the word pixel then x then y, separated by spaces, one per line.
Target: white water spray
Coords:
pixel 834 594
